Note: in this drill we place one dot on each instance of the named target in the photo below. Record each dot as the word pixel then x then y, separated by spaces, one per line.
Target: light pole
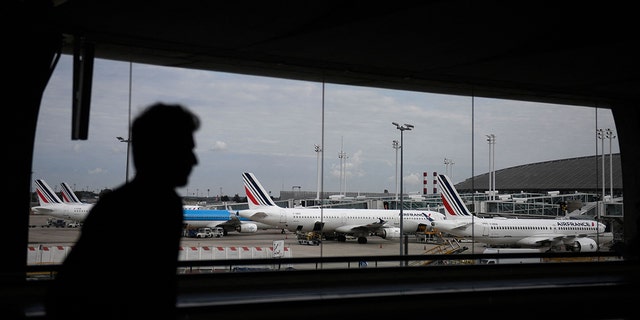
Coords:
pixel 396 145
pixel 121 139
pixel 610 135
pixel 491 138
pixel 343 159
pixel 493 166
pixel 600 135
pixel 318 150
pixel 448 167
pixel 402 128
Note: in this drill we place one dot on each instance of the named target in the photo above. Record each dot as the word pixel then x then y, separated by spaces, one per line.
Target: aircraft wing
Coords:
pixel 235 224
pixel 231 224
pixel 539 240
pixel 254 215
pixel 582 235
pixel 41 210
pixel 452 224
pixel 362 228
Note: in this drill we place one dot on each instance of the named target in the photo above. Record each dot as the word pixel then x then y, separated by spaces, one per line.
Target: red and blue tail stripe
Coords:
pixel 68 196
pixel 45 193
pixel 256 195
pixel 451 199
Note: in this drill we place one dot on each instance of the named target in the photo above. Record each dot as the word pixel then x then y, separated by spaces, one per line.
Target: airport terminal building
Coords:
pixel 571 188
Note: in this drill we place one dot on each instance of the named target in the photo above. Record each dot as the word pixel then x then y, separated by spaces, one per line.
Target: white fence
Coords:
pixel 45 254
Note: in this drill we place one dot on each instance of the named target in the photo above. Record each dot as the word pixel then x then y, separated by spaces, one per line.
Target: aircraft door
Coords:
pixel 486 229
pixel 283 216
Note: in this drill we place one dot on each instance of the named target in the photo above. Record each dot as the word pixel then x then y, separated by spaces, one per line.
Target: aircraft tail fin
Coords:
pixel 451 200
pixel 68 196
pixel 257 196
pixel 46 195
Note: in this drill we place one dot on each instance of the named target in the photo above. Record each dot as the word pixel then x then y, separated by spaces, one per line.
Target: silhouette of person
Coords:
pixel 124 264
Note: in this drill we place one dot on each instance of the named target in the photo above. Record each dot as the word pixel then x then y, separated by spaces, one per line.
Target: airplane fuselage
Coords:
pixel 523 232
pixel 340 220
pixel 199 218
pixel 333 222
pixel 75 212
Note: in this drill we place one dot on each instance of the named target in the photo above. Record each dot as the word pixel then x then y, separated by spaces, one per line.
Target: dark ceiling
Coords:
pixel 582 53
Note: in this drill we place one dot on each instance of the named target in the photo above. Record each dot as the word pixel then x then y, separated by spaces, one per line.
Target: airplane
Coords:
pixel 200 218
pixel 194 216
pixel 50 204
pixel 335 223
pixel 68 196
pixel 573 235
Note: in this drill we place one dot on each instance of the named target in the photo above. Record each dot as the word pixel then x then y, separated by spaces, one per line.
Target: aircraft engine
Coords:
pixel 247 228
pixel 584 245
pixel 390 233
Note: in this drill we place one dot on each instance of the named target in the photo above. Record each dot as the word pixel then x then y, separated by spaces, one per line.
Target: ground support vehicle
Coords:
pixel 309 238
pixel 205 233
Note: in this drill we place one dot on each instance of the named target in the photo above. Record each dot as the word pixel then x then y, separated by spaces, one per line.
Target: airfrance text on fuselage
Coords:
pixel 574 224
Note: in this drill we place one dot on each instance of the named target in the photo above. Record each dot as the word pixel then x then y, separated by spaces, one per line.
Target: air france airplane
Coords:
pixel 50 204
pixel 71 208
pixel 333 222
pixel 68 196
pixel 574 235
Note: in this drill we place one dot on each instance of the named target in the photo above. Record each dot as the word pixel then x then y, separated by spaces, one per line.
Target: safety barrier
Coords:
pixel 45 254
pixel 194 253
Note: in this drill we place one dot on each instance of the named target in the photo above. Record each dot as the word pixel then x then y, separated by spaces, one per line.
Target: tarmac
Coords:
pixel 375 246
pixel 40 235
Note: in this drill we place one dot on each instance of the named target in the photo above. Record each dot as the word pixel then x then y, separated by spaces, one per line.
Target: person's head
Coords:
pixel 162 143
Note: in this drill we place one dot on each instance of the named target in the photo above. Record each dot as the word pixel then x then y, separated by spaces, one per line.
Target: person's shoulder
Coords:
pixel 148 189
pixel 119 194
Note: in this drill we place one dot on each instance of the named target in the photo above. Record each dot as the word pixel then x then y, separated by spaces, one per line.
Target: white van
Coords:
pixel 507 259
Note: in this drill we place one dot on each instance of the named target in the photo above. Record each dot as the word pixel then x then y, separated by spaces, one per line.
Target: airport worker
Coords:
pixel 111 272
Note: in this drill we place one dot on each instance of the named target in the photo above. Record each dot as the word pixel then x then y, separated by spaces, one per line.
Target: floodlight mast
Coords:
pixel 402 128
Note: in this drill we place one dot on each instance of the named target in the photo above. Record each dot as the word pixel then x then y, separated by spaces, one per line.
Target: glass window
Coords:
pixel 327 145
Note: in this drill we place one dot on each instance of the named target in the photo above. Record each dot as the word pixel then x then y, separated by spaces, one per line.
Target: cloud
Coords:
pixel 97 171
pixel 219 145
pixel 271 126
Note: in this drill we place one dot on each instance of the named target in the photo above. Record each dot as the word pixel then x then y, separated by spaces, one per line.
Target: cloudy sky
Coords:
pixel 270 127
